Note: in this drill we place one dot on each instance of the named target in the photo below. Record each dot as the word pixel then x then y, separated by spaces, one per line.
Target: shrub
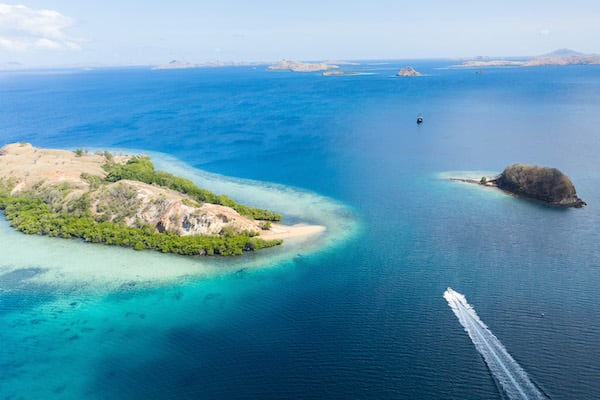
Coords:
pixel 118 202
pixel 266 225
pixel 94 181
pixel 6 186
pixel 190 203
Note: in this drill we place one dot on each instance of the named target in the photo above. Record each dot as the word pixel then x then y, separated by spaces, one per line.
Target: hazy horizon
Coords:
pixel 70 33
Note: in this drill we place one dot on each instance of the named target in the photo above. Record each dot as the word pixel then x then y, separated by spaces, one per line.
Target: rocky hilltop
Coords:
pixel 548 185
pixel 123 200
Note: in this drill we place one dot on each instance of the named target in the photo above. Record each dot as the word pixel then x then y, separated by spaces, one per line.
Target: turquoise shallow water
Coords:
pixel 356 314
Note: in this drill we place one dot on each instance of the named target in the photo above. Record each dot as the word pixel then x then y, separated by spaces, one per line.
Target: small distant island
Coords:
pixel 123 200
pixel 296 66
pixel 547 185
pixel 408 71
pixel 340 73
pixel 176 64
pixel 557 57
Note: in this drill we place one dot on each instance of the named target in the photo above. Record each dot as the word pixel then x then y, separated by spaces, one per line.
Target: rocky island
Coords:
pixel 123 200
pixel 340 73
pixel 547 185
pixel 408 71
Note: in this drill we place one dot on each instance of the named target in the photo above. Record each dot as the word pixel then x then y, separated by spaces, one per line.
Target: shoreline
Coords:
pixel 296 231
pixel 29 166
pixel 329 223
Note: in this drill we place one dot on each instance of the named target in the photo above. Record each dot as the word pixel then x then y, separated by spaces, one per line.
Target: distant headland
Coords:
pixel 123 200
pixel 178 64
pixel 546 185
pixel 557 57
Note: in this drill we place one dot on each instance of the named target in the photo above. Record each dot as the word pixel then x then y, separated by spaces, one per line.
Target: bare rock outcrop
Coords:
pixel 408 71
pixel 135 202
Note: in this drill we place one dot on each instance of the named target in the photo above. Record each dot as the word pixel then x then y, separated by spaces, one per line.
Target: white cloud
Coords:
pixel 23 28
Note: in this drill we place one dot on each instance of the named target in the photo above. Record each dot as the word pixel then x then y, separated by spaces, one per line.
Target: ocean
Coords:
pixel 358 313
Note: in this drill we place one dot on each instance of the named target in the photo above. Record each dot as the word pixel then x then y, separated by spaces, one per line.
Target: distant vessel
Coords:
pixel 419 120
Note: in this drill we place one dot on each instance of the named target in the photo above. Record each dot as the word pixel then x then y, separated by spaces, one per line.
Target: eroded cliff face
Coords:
pixel 548 185
pixel 136 203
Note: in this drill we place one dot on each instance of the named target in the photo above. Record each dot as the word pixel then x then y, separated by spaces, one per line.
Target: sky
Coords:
pixel 133 32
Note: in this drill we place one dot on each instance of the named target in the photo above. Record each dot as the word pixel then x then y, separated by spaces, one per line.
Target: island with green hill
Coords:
pixel 125 201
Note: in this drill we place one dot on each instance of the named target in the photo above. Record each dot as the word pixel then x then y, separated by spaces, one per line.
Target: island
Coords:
pixel 296 66
pixel 340 73
pixel 176 64
pixel 408 71
pixel 123 200
pixel 546 185
pixel 557 57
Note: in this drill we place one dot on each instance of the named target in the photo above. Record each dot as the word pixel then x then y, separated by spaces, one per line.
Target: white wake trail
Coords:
pixel 513 380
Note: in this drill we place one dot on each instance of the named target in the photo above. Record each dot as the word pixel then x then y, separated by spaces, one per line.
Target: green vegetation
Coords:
pixel 483 180
pixel 191 203
pixel 142 169
pixel 6 186
pixel 33 215
pixel 266 226
pixel 53 196
pixel 98 215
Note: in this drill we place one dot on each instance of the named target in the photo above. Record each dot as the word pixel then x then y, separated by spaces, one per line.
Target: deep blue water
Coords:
pixel 366 318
